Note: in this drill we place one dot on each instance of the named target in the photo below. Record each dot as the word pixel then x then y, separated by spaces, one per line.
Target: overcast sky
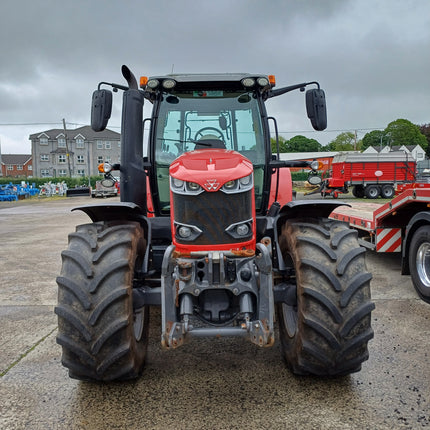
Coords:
pixel 371 57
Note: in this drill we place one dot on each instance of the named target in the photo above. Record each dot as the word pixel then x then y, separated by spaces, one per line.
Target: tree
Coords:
pixel 343 142
pixel 425 130
pixel 296 144
pixel 375 138
pixel 403 132
pixel 302 144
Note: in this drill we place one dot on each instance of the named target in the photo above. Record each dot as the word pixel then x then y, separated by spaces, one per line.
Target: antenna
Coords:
pixel 173 66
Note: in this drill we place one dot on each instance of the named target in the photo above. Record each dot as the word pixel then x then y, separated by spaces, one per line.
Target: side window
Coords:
pixel 169 139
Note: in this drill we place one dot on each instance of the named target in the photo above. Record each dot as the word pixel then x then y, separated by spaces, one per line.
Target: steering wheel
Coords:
pixel 200 134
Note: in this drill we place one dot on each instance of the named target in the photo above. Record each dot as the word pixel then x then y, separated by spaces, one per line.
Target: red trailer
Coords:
pixel 401 225
pixel 370 175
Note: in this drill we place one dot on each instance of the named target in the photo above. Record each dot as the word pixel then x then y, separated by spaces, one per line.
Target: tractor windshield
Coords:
pixel 191 120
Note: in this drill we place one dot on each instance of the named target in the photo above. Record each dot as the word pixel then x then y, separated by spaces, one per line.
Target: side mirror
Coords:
pixel 101 109
pixel 316 108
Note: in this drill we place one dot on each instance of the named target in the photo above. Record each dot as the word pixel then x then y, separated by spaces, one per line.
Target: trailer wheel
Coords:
pixel 419 262
pixel 387 192
pixel 358 191
pixel 102 337
pixel 372 191
pixel 326 331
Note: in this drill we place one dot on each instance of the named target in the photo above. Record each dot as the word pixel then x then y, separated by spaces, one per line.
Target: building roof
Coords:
pixel 86 131
pixel 15 159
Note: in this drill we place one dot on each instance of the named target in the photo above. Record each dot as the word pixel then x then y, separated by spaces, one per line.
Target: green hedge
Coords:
pixel 71 182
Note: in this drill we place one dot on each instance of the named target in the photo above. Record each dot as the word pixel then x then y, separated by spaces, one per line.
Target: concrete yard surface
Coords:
pixel 206 384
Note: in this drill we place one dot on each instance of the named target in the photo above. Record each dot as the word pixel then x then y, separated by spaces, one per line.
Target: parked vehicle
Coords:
pixel 104 189
pixel 369 175
pixel 208 230
pixel 401 225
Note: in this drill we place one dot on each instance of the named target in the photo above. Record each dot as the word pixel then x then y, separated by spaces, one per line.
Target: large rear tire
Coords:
pixel 419 262
pixel 327 330
pixel 103 338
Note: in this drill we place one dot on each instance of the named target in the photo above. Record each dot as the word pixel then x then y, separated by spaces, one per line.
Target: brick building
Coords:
pixel 16 165
pixel 77 152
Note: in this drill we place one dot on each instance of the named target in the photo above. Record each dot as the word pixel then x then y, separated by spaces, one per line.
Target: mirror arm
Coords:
pixel 115 87
pixel 280 91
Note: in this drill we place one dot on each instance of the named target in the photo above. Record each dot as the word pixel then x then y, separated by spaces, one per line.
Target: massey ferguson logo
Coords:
pixel 211 185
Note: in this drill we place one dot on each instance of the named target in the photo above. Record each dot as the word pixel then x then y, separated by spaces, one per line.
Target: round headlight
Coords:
pixel 184 231
pixel 178 183
pixel 153 83
pixel 193 186
pixel 242 229
pixel 168 84
pixel 263 82
pixel 248 82
pixel 229 185
pixel 246 180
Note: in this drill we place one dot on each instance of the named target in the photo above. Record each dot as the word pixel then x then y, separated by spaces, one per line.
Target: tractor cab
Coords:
pixel 207 112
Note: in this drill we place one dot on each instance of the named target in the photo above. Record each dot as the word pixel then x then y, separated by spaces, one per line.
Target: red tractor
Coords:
pixel 207 228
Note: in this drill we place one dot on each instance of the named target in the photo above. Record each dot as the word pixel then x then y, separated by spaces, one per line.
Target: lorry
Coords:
pixel 207 229
pixel 369 175
pixel 401 225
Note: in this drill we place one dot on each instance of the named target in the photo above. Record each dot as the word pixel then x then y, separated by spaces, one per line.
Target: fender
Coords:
pixel 122 211
pixel 308 208
pixel 418 220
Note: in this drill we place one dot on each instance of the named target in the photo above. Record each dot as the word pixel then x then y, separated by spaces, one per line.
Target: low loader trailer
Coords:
pixel 401 225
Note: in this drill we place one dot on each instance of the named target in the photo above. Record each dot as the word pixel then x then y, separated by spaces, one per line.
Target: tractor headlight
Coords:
pixel 177 183
pixel 242 229
pixel 184 232
pixel 246 180
pixel 230 185
pixel 192 186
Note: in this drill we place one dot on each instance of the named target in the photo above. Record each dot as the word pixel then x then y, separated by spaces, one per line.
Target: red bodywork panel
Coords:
pixel 211 169
pixel 285 188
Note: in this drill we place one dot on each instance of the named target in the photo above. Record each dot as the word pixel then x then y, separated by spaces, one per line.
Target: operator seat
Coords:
pixel 209 141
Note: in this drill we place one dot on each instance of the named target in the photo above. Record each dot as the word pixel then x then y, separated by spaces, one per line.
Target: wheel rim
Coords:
pixel 289 314
pixel 373 192
pixel 423 264
pixel 138 324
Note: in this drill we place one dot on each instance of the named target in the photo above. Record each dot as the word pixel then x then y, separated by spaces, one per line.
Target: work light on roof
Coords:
pixel 248 82
pixel 168 84
pixel 153 83
pixel 262 81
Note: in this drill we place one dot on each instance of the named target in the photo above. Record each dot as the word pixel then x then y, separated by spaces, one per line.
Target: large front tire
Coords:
pixel 103 338
pixel 327 330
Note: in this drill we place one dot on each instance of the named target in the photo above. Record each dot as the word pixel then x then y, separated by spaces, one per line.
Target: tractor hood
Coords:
pixel 211 168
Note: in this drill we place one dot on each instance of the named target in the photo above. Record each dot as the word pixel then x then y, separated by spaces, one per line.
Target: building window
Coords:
pixel 108 145
pixel 44 157
pixel 44 173
pixel 62 158
pixel 108 159
pixel 10 167
pixel 81 172
pixel 62 172
pixel 61 142
pixel 30 167
pixel 80 159
pixel 119 144
pixel 80 143
pixel 43 141
pixel 99 144
pixel 99 159
pixel 19 167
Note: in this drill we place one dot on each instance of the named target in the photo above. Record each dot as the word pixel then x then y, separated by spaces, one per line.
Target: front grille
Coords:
pixel 213 213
